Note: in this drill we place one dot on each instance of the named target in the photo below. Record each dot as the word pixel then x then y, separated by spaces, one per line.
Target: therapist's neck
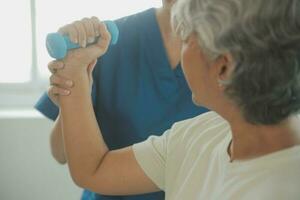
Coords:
pixel 172 42
pixel 163 17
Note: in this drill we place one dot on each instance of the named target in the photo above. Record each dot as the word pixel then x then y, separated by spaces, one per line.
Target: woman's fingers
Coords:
pixel 96 24
pixel 100 47
pixel 89 29
pixel 71 31
pixel 104 41
pixel 102 31
pixel 83 31
pixel 86 31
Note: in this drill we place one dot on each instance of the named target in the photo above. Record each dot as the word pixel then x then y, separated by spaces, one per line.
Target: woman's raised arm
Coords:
pixel 92 165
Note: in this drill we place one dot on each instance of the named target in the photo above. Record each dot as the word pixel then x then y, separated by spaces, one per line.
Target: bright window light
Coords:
pixel 25 25
pixel 15 40
pixel 55 13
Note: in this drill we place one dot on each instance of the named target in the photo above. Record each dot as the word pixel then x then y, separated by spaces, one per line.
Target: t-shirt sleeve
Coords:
pixel 45 106
pixel 151 156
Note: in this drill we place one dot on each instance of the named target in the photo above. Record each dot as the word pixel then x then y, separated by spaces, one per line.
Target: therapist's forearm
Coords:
pixel 84 145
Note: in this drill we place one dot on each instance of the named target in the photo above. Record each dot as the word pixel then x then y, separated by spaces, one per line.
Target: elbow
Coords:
pixel 61 161
pixel 87 182
pixel 59 156
pixel 57 150
pixel 80 180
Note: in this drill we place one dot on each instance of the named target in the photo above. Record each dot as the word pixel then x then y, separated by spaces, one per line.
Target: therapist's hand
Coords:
pixel 60 86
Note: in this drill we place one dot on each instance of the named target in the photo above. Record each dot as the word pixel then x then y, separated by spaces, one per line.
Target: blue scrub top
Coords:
pixel 135 92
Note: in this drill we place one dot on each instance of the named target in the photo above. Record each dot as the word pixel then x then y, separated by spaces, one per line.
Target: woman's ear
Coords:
pixel 224 67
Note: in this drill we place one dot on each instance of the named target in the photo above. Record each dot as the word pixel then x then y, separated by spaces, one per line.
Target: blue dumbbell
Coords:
pixel 58 45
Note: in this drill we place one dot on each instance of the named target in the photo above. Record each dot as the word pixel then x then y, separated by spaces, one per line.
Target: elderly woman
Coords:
pixel 241 59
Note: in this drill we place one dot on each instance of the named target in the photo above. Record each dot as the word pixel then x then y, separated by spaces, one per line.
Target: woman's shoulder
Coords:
pixel 203 121
pixel 202 128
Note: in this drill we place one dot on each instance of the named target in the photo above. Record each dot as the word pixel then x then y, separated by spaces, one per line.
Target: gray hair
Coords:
pixel 263 37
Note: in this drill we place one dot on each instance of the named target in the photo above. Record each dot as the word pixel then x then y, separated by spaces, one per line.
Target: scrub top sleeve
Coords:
pixel 47 107
pixel 94 88
pixel 151 156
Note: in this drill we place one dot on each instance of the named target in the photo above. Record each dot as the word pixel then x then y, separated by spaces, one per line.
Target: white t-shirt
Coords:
pixel 190 162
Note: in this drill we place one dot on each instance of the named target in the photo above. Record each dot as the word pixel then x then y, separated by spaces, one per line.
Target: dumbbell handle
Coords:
pixel 58 45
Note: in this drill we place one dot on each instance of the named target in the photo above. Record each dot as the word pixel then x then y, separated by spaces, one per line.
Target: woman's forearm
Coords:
pixel 84 145
pixel 56 142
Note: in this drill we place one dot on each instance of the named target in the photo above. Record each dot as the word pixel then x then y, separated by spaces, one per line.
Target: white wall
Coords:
pixel 27 169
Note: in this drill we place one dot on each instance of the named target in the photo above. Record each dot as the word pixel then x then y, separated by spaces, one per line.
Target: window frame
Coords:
pixel 25 94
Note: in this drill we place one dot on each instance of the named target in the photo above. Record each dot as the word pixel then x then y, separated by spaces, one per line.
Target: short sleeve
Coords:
pixel 151 156
pixel 47 107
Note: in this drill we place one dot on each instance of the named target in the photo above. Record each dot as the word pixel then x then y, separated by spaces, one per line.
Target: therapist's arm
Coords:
pixel 92 165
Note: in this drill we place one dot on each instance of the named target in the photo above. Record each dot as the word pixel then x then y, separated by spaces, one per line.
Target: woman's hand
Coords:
pixel 60 86
pixel 81 61
pixel 83 32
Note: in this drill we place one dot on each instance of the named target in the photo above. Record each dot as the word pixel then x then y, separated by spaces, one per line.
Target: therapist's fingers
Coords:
pixel 52 96
pixel 60 81
pixel 55 91
pixel 53 66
